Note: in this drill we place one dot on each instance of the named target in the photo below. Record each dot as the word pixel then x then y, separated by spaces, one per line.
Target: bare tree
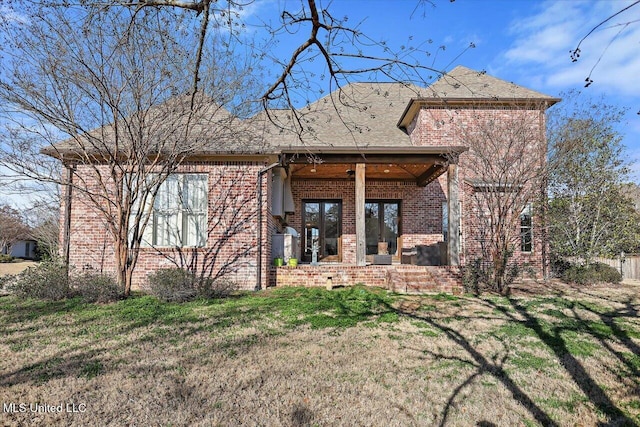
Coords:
pixel 116 86
pixel 504 172
pixel 136 87
pixel 44 217
pixel 230 228
pixel 12 228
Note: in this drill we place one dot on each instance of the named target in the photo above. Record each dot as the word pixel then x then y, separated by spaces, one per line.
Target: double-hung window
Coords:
pixel 179 216
pixel 526 230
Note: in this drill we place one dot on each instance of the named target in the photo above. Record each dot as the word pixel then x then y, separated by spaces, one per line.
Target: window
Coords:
pixel 322 229
pixel 526 232
pixel 382 224
pixel 445 221
pixel 179 216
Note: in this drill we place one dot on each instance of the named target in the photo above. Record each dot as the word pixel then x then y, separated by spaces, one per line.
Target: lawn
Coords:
pixel 352 356
pixel 15 267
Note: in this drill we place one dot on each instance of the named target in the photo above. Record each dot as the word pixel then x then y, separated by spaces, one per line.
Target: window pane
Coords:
pixel 526 235
pixel 311 226
pixel 331 224
pixel 390 231
pixel 372 227
pixel 168 229
pixel 196 193
pixel 196 232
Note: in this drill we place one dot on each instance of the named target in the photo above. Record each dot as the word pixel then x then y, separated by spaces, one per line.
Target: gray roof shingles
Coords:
pixel 359 115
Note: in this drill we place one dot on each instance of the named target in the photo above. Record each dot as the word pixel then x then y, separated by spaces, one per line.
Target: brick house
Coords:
pixel 378 190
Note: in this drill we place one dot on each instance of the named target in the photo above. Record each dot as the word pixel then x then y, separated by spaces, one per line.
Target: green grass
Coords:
pixel 530 334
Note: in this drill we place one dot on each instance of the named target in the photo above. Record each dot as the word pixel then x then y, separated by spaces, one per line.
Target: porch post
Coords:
pixel 360 223
pixel 453 206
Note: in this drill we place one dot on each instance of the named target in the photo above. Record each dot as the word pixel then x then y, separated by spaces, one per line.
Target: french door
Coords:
pixel 322 229
pixel 382 224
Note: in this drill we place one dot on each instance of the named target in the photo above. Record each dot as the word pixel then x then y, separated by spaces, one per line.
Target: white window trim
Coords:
pixel 182 212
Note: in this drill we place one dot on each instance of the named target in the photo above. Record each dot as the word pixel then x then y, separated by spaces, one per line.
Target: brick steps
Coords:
pixel 418 280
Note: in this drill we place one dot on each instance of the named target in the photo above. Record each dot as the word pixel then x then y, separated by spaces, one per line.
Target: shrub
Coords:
pixel 96 287
pixel 591 273
pixel 221 288
pixel 478 276
pixel 5 280
pixel 172 284
pixel 45 281
pixel 5 258
pixel 559 266
pixel 177 285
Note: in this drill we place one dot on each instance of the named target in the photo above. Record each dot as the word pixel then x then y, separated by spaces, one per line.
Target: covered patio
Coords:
pixel 361 213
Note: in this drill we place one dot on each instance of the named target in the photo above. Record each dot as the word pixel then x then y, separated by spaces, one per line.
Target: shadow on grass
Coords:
pixel 482 365
pixel 551 334
pixel 95 329
pixel 142 319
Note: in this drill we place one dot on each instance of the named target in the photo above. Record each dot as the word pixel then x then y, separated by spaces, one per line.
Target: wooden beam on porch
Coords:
pixel 432 173
pixel 453 206
pixel 374 158
pixel 360 222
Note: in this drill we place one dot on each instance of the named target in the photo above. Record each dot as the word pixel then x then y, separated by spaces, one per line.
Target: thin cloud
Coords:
pixel 546 38
pixel 9 15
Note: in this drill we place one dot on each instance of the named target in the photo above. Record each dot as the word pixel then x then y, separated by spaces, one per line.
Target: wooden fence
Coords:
pixel 630 266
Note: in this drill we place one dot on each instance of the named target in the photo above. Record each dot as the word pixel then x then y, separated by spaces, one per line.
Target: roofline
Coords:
pixel 435 149
pixel 69 155
pixel 415 104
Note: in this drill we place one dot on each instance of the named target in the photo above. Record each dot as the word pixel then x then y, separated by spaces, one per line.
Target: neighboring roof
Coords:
pixel 464 86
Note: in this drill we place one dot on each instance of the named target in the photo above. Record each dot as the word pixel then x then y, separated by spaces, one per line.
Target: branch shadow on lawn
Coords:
pixel 551 335
pixel 482 365
pixel 146 319
pixel 98 330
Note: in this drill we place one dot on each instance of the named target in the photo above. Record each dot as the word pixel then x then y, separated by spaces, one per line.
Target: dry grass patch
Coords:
pixel 15 267
pixel 353 356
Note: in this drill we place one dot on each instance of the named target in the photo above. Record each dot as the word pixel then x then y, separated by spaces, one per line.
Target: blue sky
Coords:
pixel 523 41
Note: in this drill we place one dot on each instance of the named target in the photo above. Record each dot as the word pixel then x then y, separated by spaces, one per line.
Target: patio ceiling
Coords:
pixel 419 164
pixel 422 173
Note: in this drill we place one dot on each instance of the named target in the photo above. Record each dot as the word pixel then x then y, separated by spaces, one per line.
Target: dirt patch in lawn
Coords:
pixel 297 357
pixel 15 267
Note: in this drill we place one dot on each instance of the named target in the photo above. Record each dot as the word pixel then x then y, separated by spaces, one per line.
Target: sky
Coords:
pixel 527 42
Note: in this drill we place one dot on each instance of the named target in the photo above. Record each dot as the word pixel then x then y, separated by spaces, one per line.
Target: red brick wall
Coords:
pixel 421 208
pixel 449 126
pixel 232 237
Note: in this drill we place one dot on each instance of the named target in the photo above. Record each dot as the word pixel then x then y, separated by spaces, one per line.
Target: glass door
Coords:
pixel 322 230
pixel 382 225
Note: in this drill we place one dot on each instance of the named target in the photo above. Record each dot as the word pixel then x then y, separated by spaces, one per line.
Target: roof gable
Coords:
pixel 465 83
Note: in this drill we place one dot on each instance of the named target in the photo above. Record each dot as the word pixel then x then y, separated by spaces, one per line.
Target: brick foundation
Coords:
pixel 392 277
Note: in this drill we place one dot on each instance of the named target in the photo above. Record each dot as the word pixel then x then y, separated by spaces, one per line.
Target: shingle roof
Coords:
pixel 357 115
pixel 465 83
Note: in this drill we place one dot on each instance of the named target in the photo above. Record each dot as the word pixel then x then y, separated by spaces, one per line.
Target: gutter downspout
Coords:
pixel 66 234
pixel 259 191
